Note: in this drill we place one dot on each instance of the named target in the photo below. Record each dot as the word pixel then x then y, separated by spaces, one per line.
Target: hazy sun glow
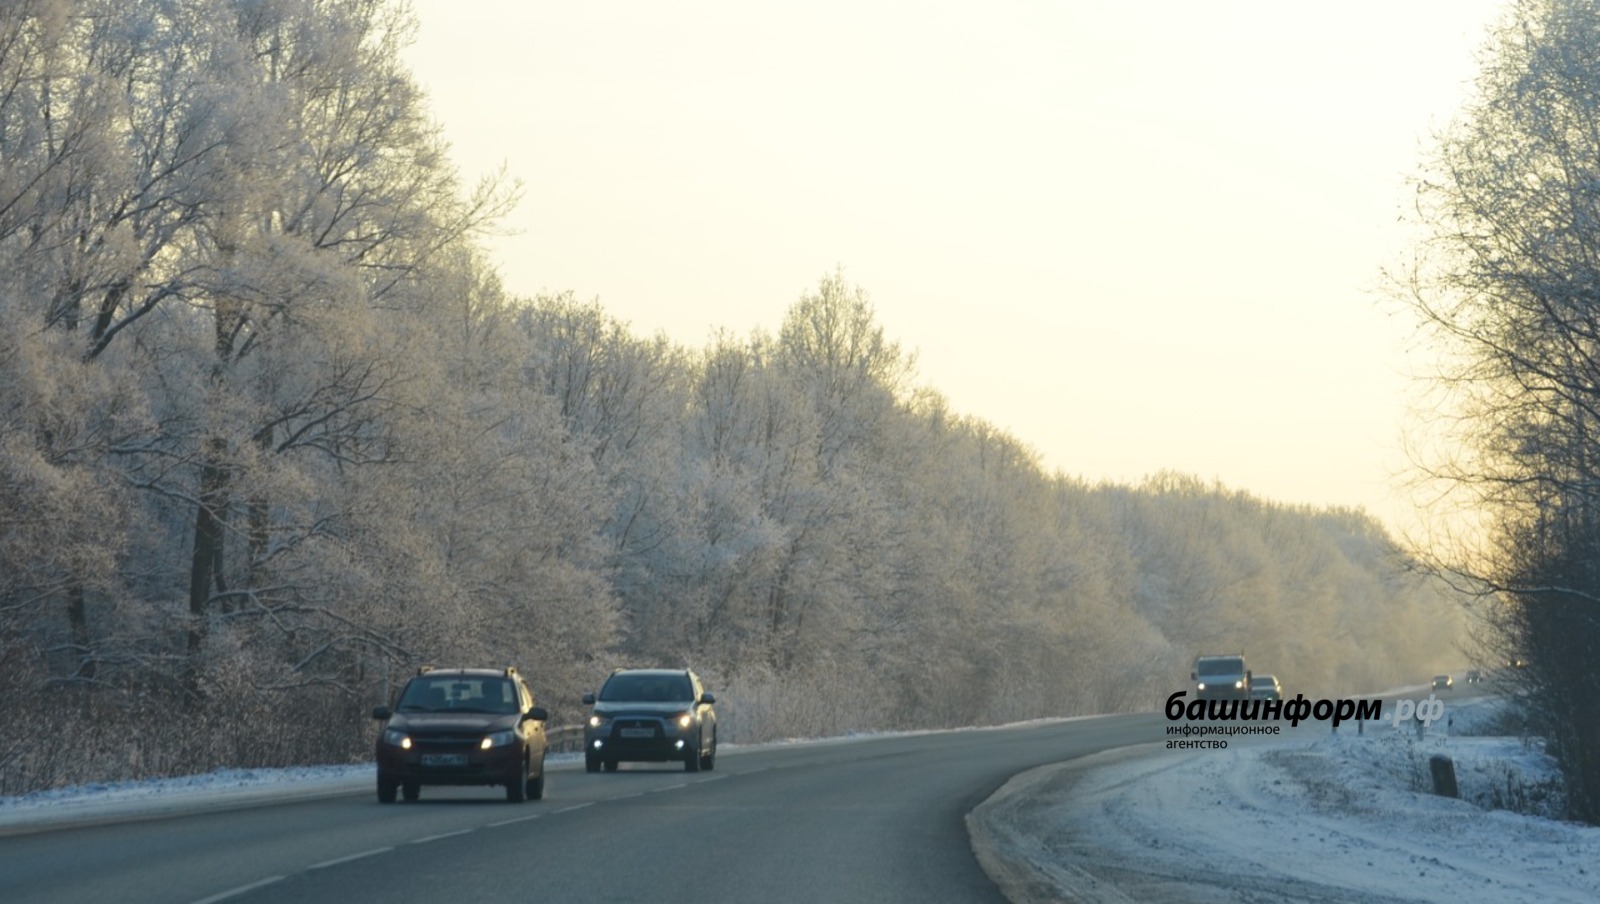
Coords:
pixel 1137 236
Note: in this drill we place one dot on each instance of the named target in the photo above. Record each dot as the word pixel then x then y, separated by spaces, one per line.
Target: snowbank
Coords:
pixel 1313 817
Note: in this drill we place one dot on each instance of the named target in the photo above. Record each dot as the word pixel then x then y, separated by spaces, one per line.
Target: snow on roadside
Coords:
pixel 152 797
pixel 1315 817
pixel 212 784
pixel 213 790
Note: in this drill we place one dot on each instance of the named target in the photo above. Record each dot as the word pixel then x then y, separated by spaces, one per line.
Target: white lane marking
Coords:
pixel 574 807
pixel 670 788
pixel 507 822
pixel 444 835
pixel 328 863
pixel 225 895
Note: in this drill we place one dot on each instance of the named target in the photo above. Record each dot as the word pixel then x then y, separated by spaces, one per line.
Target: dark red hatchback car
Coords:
pixel 462 727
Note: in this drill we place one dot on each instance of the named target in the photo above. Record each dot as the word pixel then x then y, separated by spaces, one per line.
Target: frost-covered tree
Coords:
pixel 1509 288
pixel 272 434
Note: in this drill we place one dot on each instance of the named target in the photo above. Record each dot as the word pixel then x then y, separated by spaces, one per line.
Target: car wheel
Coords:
pixel 611 765
pixel 708 761
pixel 691 759
pixel 412 790
pixel 591 764
pixel 386 789
pixel 536 785
pixel 517 788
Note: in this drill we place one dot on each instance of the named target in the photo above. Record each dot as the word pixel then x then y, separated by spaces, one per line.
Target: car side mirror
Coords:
pixel 537 714
pixel 381 712
pixel 1194 676
pixel 708 698
pixel 588 699
pixel 1247 675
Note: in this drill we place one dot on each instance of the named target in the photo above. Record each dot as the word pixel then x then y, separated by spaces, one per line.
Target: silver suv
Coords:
pixel 651 715
pixel 1221 677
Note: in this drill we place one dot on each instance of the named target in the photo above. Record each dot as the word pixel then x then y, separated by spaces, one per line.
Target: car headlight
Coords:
pixel 1202 686
pixel 683 720
pixel 497 739
pixel 396 738
pixel 1238 685
pixel 599 721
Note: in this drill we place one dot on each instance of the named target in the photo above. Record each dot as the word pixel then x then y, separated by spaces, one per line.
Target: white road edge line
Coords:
pixel 669 788
pixel 429 838
pixel 232 892
pixel 507 822
pixel 574 807
pixel 328 863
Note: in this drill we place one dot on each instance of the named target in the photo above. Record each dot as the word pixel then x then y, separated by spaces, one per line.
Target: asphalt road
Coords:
pixel 878 819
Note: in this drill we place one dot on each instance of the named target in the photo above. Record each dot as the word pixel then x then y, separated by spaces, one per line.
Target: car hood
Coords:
pixel 453 722
pixel 620 707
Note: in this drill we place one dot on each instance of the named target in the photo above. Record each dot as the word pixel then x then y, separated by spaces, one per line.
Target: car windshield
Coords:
pixel 641 688
pixel 456 694
pixel 1220 667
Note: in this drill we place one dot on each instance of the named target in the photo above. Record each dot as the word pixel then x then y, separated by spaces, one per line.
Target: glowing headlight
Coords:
pixel 684 720
pixel 598 721
pixel 396 738
pixel 1238 685
pixel 1202 686
pixel 497 739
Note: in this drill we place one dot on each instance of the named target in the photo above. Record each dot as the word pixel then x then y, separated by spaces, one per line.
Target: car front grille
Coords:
pixel 448 740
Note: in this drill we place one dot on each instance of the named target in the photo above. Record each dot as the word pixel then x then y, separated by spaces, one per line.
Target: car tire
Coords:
pixel 691 760
pixel 708 761
pixel 411 789
pixel 536 784
pixel 611 765
pixel 517 788
pixel 386 789
pixel 591 764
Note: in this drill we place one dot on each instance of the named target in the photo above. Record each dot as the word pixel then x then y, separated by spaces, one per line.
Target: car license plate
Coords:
pixel 638 732
pixel 444 759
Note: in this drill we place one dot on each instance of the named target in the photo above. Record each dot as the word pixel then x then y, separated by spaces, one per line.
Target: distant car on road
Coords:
pixel 1442 682
pixel 1265 687
pixel 1474 676
pixel 653 715
pixel 462 727
pixel 1221 677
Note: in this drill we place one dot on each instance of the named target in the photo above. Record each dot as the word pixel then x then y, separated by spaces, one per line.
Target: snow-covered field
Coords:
pixel 1311 817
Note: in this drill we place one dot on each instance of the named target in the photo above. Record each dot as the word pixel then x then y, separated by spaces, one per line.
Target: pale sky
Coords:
pixel 1137 236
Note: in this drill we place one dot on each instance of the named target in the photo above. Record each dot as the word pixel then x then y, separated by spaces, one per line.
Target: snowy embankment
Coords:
pixel 1314 816
pixel 224 789
pixel 220 790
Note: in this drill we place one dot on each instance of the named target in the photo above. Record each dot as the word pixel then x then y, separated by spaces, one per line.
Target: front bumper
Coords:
pixel 451 765
pixel 639 739
pixel 1221 692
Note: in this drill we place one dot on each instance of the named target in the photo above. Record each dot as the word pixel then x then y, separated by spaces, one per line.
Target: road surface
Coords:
pixel 874 819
